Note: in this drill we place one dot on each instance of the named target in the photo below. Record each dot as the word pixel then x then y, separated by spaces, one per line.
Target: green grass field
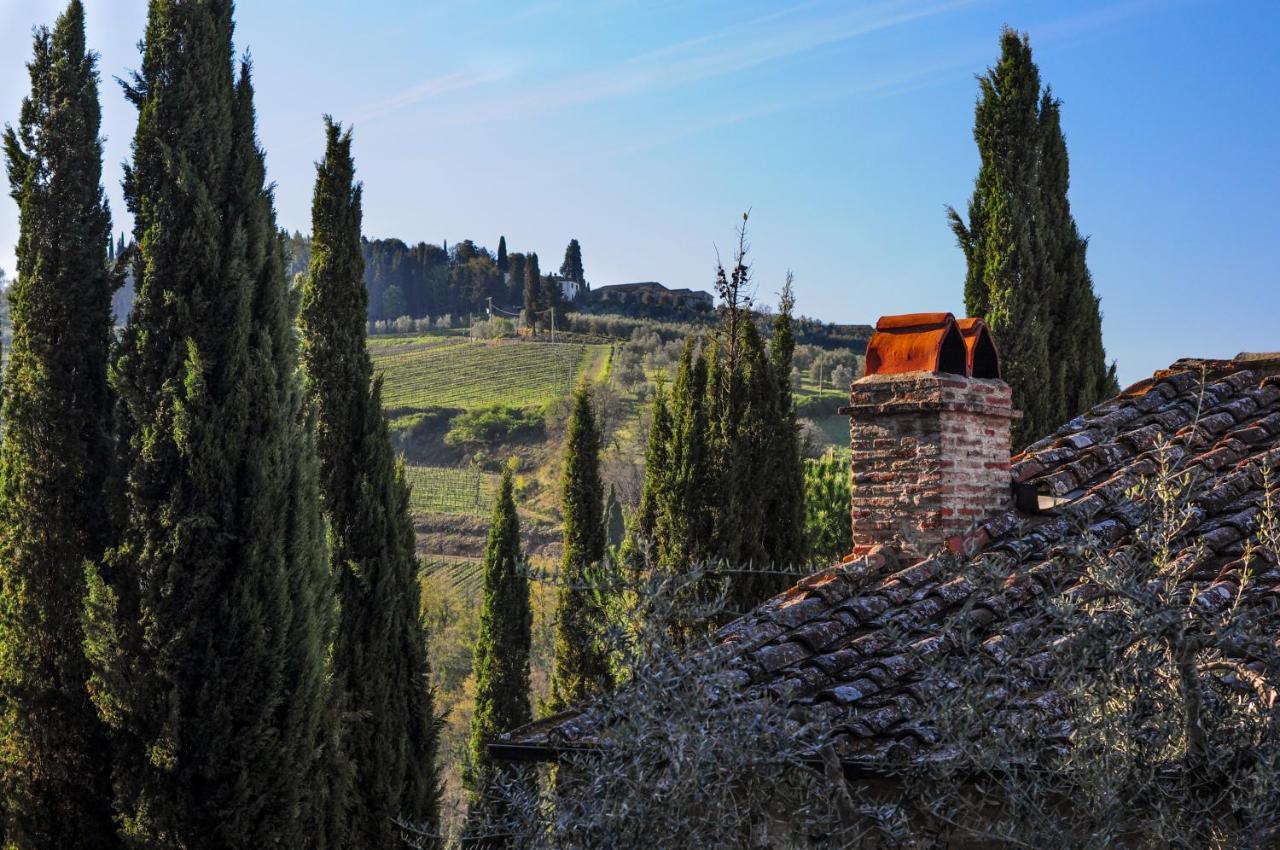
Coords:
pixel 436 371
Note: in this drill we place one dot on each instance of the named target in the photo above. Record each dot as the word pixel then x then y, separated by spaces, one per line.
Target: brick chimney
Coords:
pixel 929 432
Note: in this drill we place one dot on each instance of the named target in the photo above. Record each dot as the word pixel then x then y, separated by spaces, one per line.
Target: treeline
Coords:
pixel 426 280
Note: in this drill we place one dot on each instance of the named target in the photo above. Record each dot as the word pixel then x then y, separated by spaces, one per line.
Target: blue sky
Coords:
pixel 644 128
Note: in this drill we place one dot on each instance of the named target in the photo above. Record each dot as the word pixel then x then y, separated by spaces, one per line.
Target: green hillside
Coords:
pixel 425 372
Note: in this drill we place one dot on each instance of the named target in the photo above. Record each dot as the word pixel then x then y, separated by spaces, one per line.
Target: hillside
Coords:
pixel 460 407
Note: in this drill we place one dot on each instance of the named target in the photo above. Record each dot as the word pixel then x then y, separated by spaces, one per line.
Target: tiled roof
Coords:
pixel 856 643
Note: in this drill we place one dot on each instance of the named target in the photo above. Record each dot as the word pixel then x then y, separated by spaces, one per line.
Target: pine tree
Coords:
pixel 54 459
pixel 503 263
pixel 533 303
pixel 581 658
pixel 1027 273
pixel 380 647
pixel 209 621
pixel 571 268
pixel 501 655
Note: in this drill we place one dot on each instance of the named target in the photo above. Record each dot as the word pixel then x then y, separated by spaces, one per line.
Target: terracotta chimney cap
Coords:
pixel 914 321
pixel 982 355
pixel 917 342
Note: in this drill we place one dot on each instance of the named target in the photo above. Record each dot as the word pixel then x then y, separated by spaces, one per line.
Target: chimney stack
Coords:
pixel 929 431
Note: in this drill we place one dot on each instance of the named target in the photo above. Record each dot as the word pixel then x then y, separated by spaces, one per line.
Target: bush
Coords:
pixel 487 425
pixel 493 328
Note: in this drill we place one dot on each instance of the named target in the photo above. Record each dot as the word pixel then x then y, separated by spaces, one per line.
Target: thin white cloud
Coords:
pixel 778 35
pixel 434 87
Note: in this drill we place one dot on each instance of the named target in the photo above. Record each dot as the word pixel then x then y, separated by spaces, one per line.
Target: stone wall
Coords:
pixel 930 457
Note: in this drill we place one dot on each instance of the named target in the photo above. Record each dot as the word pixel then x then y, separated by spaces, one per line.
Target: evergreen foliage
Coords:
pixel 827 502
pixel 1027 274
pixel 55 457
pixel 515 286
pixel 380 646
pixel 723 479
pixel 1079 369
pixel 502 648
pixel 503 262
pixel 209 621
pixel 571 268
pixel 784 530
pixel 581 657
pixel 614 523
pixel 534 303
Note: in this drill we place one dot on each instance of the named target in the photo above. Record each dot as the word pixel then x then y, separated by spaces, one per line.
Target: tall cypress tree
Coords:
pixel 515 287
pixel 571 268
pixel 1027 273
pixel 643 542
pixel 724 481
pixel 1008 281
pixel 503 263
pixel 380 647
pixel 1079 374
pixel 209 620
pixel 54 459
pixel 581 658
pixel 784 532
pixel 502 647
pixel 533 295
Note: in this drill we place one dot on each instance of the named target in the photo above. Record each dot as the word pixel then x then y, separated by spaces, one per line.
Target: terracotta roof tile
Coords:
pixel 857 644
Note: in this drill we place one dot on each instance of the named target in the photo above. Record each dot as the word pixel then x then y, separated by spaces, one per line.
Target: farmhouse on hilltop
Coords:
pixel 652 292
pixel 863 649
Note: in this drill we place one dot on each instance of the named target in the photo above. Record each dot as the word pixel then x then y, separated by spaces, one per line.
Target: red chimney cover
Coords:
pixel 917 342
pixel 982 355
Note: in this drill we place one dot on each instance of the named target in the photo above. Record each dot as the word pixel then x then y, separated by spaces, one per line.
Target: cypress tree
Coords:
pixel 1008 281
pixel 689 503
pixel 501 655
pixel 209 620
pixel 503 263
pixel 614 523
pixel 784 532
pixel 571 268
pixel 1079 374
pixel 54 459
pixel 515 287
pixel 645 532
pixel 380 646
pixel 581 659
pixel 724 482
pixel 533 303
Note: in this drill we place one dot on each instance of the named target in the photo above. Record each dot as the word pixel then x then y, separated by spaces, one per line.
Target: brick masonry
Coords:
pixel 930 457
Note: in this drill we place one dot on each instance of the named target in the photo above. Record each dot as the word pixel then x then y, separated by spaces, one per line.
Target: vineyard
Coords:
pixel 433 372
pixel 436 489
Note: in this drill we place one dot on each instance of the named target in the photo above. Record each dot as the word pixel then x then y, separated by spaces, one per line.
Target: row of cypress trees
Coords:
pixel 209 626
pixel 581 658
pixel 724 481
pixel 1027 273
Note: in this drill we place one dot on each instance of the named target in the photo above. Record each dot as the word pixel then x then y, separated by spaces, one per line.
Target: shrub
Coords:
pixel 487 425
